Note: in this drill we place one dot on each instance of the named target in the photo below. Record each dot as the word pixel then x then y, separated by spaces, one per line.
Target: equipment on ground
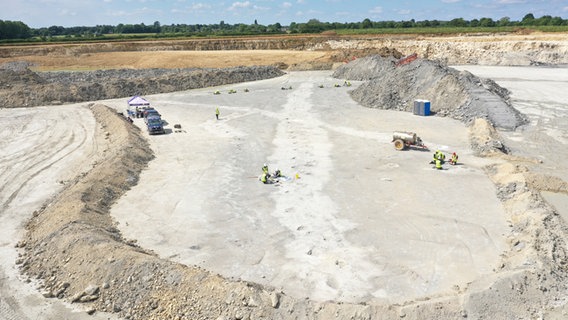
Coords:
pixel 403 140
pixel 406 60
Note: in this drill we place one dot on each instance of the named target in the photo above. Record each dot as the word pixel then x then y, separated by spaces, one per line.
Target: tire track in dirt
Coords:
pixel 55 153
pixel 37 144
pixel 9 309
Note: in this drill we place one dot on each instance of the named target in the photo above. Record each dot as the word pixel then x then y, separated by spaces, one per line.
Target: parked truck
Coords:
pixel 155 125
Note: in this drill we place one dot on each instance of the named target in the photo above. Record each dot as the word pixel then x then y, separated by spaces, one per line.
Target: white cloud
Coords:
pixel 240 5
pixel 255 7
pixel 133 13
pixel 450 1
pixel 193 8
pixel 565 9
pixel 313 12
pixel 511 1
pixel 118 13
pixel 286 5
pixel 65 12
pixel 376 10
pixel 301 1
pixel 199 6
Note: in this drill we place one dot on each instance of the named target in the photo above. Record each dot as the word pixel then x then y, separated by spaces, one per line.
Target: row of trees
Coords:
pixel 314 26
pixel 14 30
pixel 19 30
pixel 194 29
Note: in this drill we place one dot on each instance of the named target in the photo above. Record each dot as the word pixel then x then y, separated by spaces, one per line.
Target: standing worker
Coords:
pixel 265 176
pixel 265 169
pixel 217 113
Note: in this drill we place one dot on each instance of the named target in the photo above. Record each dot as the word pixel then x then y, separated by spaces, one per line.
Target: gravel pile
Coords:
pixel 452 93
pixel 21 87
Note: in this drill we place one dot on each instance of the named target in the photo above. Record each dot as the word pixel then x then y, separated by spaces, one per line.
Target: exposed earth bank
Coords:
pixel 168 66
pixel 107 273
pixel 21 87
pixel 522 48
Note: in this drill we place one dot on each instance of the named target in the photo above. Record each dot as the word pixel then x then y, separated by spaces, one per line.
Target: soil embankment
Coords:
pixel 320 51
pixel 22 87
pixel 459 95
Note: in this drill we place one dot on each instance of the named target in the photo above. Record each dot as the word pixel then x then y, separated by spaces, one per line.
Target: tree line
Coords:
pixel 11 30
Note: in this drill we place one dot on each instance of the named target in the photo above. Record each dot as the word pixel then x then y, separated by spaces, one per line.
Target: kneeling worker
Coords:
pixel 454 159
pixel 438 164
pixel 277 173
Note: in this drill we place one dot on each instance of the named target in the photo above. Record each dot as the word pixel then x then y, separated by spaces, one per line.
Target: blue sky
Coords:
pixel 69 13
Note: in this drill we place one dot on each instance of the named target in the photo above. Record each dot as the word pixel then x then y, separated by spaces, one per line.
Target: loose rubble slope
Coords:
pixel 459 95
pixel 21 87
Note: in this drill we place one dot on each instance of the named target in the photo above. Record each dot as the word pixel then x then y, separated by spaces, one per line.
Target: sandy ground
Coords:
pixel 540 94
pixel 42 148
pixel 169 59
pixel 362 223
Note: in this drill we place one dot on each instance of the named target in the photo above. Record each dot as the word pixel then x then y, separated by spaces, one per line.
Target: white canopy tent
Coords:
pixel 136 105
pixel 138 101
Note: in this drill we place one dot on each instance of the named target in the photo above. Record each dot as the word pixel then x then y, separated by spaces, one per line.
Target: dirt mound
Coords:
pixel 459 95
pixel 10 78
pixel 24 88
pixel 338 57
pixel 347 55
pixel 366 68
pixel 485 140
